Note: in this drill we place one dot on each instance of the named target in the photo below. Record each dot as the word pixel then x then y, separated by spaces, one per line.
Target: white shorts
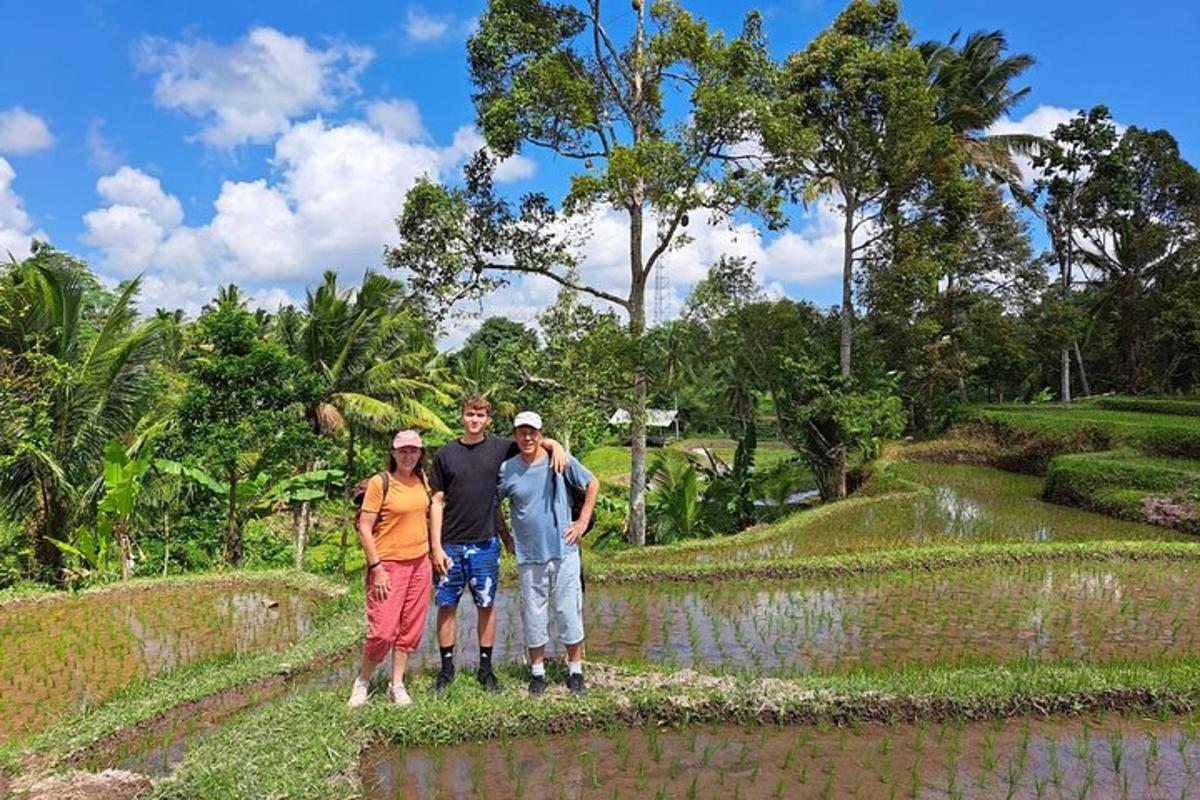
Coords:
pixel 554 588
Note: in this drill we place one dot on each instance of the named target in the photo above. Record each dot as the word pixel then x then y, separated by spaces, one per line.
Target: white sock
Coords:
pixel 575 667
pixel 538 669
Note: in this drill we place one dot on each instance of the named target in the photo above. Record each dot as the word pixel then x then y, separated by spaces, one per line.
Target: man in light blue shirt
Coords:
pixel 547 544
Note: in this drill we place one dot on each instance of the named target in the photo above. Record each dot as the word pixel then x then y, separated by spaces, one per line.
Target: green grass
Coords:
pixel 300 581
pixel 1085 428
pixel 1185 406
pixel 611 463
pixel 885 489
pixel 265 754
pixel 1118 484
pixel 906 560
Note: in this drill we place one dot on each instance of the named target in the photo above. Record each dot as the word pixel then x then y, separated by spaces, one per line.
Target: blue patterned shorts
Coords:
pixel 475 566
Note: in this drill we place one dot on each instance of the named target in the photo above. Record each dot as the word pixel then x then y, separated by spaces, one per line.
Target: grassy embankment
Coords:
pixel 1128 457
pixel 1163 491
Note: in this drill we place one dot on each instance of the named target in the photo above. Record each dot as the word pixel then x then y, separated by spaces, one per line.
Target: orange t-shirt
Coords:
pixel 402 532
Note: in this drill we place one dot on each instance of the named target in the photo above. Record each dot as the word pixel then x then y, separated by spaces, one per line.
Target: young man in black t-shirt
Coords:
pixel 465 531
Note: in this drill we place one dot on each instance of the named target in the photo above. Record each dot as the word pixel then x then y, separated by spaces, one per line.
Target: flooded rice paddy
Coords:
pixel 1063 613
pixel 963 505
pixel 1107 757
pixel 67 653
pixel 1048 612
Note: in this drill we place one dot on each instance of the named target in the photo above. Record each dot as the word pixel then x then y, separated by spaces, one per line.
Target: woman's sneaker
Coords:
pixel 400 695
pixel 359 693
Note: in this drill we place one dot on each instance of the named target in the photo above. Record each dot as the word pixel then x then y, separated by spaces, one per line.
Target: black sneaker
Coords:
pixel 575 684
pixel 487 679
pixel 443 681
pixel 537 685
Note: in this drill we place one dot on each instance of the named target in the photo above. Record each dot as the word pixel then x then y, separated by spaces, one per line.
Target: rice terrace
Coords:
pixel 663 399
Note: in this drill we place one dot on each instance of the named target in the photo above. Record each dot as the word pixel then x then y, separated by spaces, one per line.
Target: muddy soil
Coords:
pixel 113 784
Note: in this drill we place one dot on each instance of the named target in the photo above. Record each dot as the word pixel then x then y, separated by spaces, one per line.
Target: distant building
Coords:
pixel 655 418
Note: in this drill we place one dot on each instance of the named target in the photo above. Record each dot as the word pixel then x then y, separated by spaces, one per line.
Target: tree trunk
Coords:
pixel 233 533
pixel 51 522
pixel 847 287
pixel 348 491
pixel 743 457
pixel 166 543
pixel 124 549
pixel 1066 295
pixel 839 472
pixel 637 307
pixel 1083 379
pixel 1065 390
pixel 637 329
pixel 301 516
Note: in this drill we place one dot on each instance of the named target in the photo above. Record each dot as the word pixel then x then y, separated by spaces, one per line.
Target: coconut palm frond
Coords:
pixel 364 411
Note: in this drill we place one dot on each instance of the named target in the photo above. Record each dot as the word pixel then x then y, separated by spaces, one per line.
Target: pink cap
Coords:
pixel 407 439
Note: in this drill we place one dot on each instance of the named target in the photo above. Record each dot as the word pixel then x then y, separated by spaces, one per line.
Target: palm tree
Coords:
pixel 377 369
pixel 973 89
pixel 103 388
pixel 476 373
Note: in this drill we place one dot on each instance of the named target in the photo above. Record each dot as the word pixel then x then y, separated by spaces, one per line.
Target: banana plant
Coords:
pixel 263 493
pixel 122 483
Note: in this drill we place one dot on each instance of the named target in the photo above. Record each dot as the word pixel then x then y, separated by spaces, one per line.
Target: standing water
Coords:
pixel 66 653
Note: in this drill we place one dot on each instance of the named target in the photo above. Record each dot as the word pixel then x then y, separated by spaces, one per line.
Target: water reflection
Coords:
pixel 68 653
pixel 1099 757
pixel 965 504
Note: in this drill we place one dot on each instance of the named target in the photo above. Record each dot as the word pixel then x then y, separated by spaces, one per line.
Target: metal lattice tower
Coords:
pixel 660 293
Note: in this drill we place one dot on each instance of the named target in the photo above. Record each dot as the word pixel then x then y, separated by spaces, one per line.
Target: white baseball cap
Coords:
pixel 530 418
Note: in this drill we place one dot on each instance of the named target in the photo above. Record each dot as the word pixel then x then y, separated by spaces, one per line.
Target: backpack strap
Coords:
pixel 383 477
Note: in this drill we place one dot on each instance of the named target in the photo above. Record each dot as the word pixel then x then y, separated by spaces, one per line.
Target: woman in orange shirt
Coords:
pixel 395 537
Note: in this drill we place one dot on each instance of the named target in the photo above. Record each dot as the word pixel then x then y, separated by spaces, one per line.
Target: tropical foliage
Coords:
pixel 975 267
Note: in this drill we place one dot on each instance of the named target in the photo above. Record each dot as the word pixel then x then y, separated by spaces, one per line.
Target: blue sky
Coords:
pixel 263 142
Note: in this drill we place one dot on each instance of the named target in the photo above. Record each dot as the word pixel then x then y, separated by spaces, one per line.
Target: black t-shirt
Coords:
pixel 466 474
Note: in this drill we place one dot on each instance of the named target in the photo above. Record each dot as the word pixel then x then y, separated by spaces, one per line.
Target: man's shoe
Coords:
pixel 487 679
pixel 443 681
pixel 575 684
pixel 400 695
pixel 359 693
pixel 537 685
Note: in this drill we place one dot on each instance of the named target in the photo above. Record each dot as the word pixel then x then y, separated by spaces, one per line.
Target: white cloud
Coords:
pixel 16 228
pixel 131 187
pixel 249 91
pixel 1040 122
pixel 332 206
pixel 102 154
pixel 22 133
pixel 421 26
pixel 808 255
pixel 399 119
pixel 467 141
